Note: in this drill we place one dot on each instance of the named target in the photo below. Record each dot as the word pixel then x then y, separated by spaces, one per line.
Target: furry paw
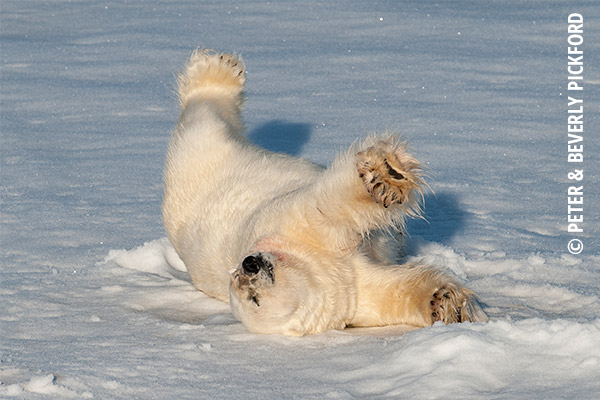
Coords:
pixel 208 70
pixel 446 305
pixel 389 173
pixel 452 304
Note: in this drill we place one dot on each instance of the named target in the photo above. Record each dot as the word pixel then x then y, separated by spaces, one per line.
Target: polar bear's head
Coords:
pixel 276 291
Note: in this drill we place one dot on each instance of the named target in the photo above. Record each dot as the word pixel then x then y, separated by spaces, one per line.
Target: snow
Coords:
pixel 94 301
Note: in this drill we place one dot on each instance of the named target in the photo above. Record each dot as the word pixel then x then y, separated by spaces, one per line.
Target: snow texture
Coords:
pixel 94 303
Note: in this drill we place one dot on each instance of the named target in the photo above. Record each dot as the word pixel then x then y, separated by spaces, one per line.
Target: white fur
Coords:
pixel 226 199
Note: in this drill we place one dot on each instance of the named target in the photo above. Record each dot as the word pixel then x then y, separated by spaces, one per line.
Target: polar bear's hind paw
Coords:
pixel 207 71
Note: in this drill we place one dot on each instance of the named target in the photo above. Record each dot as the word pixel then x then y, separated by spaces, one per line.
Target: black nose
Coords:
pixel 251 264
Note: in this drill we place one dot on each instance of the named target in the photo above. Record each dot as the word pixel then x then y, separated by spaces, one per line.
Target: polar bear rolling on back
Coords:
pixel 291 246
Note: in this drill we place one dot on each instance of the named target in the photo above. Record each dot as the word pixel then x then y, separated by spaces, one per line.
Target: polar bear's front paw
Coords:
pixel 389 173
pixel 451 303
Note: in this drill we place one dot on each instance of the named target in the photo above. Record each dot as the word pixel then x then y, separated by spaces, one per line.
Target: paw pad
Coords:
pixel 446 305
pixel 389 174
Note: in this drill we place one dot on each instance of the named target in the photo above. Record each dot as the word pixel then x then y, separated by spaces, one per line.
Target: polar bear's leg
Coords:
pixel 375 185
pixel 206 137
pixel 412 294
pixel 210 90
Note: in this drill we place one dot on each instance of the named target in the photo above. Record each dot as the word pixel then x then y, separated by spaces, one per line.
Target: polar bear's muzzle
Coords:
pixel 253 277
pixel 257 266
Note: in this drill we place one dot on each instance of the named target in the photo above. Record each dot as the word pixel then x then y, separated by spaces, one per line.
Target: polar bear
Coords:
pixel 293 247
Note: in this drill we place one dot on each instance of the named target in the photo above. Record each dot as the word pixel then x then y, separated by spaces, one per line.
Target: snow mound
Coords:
pixel 470 360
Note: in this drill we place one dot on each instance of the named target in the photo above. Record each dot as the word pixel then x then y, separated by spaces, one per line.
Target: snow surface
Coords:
pixel 93 301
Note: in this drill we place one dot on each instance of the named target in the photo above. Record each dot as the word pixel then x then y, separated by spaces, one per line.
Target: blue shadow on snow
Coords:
pixel 444 218
pixel 282 137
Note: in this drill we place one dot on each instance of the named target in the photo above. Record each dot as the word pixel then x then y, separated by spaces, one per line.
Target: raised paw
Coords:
pixel 208 70
pixel 389 173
